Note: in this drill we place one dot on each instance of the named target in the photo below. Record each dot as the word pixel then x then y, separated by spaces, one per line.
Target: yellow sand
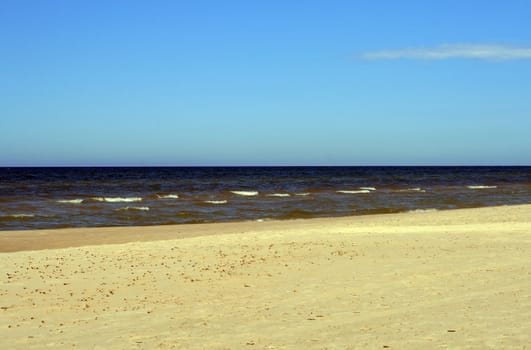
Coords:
pixel 451 279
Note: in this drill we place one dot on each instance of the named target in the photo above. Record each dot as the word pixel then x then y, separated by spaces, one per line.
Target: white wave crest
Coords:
pixel 245 193
pixel 117 199
pixel 279 195
pixel 303 194
pixel 480 187
pixel 368 188
pixel 20 216
pixel 134 208
pixel 353 192
pixel 430 210
pixel 416 189
pixel 167 196
pixel 70 201
pixel 216 202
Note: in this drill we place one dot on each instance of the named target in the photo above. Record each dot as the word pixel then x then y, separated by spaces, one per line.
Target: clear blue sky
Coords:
pixel 265 82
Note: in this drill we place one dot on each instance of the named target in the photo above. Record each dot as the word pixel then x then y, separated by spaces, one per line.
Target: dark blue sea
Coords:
pixel 36 198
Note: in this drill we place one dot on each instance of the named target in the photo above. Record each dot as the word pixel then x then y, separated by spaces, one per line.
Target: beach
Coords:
pixel 456 279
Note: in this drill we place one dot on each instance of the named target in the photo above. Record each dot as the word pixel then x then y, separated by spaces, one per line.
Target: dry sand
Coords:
pixel 452 279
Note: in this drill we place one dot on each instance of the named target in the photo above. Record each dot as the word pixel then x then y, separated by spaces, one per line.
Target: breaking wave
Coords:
pixel 70 201
pixel 216 202
pixel 416 189
pixel 134 208
pixel 245 193
pixel 353 192
pixel 368 188
pixel 16 216
pixel 167 196
pixel 117 199
pixel 430 210
pixel 279 195
pixel 480 187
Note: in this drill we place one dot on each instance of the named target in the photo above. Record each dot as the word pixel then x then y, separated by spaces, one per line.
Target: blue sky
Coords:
pixel 265 82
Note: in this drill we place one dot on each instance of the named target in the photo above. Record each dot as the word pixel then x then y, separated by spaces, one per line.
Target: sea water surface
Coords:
pixel 35 198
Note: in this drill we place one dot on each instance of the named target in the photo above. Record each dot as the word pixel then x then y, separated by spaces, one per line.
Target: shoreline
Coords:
pixel 27 240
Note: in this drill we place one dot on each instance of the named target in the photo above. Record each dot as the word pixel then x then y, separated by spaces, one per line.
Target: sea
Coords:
pixel 57 197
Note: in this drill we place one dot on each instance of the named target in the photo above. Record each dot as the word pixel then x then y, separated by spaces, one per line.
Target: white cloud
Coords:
pixel 447 51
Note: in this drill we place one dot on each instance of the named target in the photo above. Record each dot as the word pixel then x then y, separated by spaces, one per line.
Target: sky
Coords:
pixel 179 83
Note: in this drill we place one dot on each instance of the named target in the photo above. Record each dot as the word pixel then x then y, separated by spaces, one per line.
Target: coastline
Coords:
pixel 456 278
pixel 22 240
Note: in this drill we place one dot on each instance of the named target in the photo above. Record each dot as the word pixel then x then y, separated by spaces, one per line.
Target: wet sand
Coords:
pixel 449 279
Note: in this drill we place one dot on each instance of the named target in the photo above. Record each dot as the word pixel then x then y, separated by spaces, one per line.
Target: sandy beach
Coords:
pixel 456 279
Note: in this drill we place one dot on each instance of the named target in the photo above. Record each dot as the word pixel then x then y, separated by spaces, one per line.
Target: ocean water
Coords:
pixel 35 198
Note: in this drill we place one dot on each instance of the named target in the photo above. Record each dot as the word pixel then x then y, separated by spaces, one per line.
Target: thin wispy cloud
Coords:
pixel 450 51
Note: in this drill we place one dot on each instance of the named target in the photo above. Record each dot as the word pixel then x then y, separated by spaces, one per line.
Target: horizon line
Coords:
pixel 269 166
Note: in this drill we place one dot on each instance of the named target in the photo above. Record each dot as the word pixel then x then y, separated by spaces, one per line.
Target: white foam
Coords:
pixel 134 208
pixel 303 194
pixel 263 220
pixel 70 201
pixel 21 216
pixel 117 199
pixel 279 195
pixel 368 188
pixel 216 202
pixel 353 192
pixel 480 187
pixel 416 189
pixel 431 210
pixel 168 196
pixel 245 193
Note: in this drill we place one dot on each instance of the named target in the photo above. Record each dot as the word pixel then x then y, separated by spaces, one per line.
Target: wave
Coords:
pixel 303 194
pixel 134 208
pixel 70 201
pixel 368 188
pixel 416 189
pixel 480 187
pixel 264 220
pixel 116 199
pixel 167 196
pixel 16 216
pixel 353 192
pixel 430 210
pixel 245 193
pixel 279 195
pixel 216 202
